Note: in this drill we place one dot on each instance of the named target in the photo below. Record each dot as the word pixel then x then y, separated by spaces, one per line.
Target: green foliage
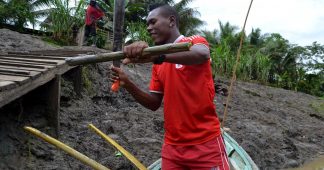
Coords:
pixel 262 65
pixel 86 79
pixel 255 38
pixel 62 19
pixel 57 43
pixel 211 37
pixel 318 105
pixel 189 18
pixel 312 84
pixel 222 60
pixel 99 40
pixel 16 12
pixel 268 59
pixel 314 55
pixel 137 32
pixel 137 10
pixel 20 12
pixel 252 66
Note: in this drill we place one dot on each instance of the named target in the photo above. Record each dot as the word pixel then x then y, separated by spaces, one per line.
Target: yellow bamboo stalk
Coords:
pixel 128 155
pixel 84 159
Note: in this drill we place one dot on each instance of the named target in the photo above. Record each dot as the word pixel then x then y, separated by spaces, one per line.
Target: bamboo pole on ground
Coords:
pixel 128 155
pixel 103 57
pixel 84 159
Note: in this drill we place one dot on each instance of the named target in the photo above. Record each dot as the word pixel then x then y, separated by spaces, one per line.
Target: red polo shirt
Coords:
pixel 189 112
pixel 92 14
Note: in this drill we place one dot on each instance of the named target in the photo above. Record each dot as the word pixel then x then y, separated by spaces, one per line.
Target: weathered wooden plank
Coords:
pixel 34 56
pixel 31 74
pixel 61 51
pixel 9 95
pixel 17 74
pixel 26 65
pixel 67 55
pixel 5 85
pixel 17 61
pixel 18 79
pixel 43 61
pixel 22 68
pixel 14 71
pixel 54 54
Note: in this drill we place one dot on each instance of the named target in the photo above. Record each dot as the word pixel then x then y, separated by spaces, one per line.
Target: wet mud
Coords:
pixel 278 128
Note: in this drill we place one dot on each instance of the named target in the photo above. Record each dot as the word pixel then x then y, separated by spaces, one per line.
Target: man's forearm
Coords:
pixel 146 99
pixel 197 55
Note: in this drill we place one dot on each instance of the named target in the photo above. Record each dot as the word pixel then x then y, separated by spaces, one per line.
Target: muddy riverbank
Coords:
pixel 277 127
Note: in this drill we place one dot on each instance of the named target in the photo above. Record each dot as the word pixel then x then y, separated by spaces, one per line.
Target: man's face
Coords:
pixel 158 27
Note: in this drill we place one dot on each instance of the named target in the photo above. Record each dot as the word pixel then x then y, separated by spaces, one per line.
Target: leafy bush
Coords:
pixel 63 19
pixel 268 59
pixel 137 32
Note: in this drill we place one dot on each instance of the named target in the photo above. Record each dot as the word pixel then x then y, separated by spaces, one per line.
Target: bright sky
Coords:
pixel 299 21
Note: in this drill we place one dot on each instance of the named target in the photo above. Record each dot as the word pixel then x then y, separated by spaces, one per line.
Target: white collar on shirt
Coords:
pixel 178 39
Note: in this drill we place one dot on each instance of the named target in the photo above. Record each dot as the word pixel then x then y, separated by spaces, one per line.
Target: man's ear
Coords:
pixel 172 20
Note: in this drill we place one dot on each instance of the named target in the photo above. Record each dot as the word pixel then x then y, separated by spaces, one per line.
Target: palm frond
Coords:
pixel 182 4
pixel 41 3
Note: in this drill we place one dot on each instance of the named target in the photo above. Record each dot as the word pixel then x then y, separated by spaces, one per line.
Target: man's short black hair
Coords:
pixel 166 11
pixel 93 3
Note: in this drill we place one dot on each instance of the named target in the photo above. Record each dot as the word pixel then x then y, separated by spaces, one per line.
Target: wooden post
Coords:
pixel 77 80
pixel 119 15
pixel 53 106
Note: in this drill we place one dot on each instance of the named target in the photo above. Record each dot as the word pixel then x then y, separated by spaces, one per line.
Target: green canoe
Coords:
pixel 239 159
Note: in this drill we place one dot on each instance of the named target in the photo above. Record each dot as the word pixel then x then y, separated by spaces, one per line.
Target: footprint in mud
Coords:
pixel 291 149
pixel 158 125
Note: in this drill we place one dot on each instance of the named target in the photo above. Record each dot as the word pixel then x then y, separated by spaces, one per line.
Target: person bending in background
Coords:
pixel 93 14
pixel 192 138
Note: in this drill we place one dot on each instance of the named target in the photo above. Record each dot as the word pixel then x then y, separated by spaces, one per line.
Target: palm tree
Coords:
pixel 2 11
pixel 61 18
pixel 20 12
pixel 255 37
pixel 227 31
pixel 16 12
pixel 189 18
pixel 229 36
pixel 212 37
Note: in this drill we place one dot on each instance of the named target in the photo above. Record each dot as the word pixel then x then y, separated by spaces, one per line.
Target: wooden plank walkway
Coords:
pixel 21 72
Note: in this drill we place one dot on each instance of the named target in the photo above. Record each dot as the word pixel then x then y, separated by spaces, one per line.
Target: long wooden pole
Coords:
pixel 155 50
pixel 238 55
pixel 93 164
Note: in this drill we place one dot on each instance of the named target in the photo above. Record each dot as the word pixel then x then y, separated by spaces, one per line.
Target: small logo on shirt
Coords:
pixel 178 66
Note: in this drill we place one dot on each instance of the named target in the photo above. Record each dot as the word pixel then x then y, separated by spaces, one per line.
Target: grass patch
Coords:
pixel 86 80
pixel 318 105
pixel 56 42
pixel 252 93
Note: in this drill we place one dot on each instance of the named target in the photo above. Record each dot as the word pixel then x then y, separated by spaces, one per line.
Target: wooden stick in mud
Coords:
pixel 103 57
pixel 128 155
pixel 93 164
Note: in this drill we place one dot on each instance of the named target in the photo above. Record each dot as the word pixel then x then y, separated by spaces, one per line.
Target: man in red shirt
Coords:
pixel 93 14
pixel 192 137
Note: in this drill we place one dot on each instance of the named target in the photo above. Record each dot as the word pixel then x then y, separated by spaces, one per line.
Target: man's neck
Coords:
pixel 173 37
